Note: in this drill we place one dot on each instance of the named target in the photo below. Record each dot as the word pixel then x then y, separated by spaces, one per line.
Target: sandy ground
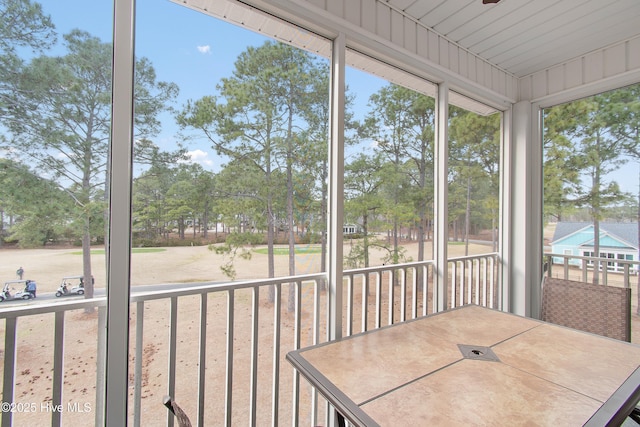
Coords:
pixel 36 337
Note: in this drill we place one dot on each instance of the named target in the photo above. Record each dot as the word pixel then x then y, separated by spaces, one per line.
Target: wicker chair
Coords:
pixel 599 309
pixel 181 416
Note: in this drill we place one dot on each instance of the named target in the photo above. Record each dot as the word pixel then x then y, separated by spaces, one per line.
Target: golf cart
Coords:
pixel 71 285
pixel 11 285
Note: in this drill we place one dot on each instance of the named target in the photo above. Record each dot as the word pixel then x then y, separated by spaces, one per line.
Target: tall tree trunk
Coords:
pixel 324 219
pixel 86 263
pixel 292 238
pixel 365 238
pixel 270 240
pixel 205 220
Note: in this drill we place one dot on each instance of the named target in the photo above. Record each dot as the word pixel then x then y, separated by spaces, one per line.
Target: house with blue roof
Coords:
pixel 618 241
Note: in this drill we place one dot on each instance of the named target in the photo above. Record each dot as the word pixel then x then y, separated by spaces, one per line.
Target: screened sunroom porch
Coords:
pixel 399 42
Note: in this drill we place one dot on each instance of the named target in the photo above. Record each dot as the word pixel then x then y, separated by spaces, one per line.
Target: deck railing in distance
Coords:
pixel 219 349
pixel 618 272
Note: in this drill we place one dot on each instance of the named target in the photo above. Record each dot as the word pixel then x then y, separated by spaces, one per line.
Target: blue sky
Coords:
pixel 185 47
pixel 195 51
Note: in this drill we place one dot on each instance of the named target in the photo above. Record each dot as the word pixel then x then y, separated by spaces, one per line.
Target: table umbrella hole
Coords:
pixel 476 352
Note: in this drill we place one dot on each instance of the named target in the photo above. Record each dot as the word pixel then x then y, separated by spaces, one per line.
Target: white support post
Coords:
pixel 119 240
pixel 336 186
pixel 505 238
pixel 441 228
pixel 336 195
pixel 526 213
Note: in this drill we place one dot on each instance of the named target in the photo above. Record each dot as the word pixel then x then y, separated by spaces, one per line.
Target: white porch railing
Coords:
pixel 223 345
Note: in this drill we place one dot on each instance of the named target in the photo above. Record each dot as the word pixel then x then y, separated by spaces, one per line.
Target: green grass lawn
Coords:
pixel 285 250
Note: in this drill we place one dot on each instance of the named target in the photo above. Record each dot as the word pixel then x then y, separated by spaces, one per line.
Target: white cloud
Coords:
pixel 199 156
pixel 204 49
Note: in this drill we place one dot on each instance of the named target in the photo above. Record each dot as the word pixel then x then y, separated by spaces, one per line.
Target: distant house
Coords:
pixel 618 241
pixel 348 229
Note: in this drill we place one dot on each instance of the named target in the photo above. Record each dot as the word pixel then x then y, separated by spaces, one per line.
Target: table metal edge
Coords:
pixel 619 405
pixel 340 401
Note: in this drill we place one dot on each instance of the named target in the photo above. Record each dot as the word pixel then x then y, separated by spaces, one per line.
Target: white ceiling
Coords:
pixel 521 37
pixel 525 36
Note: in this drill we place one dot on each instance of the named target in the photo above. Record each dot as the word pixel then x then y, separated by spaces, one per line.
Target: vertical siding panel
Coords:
pixel 352 12
pixel 499 81
pixel 479 71
pixel 383 21
pixel 397 28
pixel 614 60
pixel 453 57
pixel 539 85
pixel 410 35
pixel 556 79
pixel 488 74
pixel 471 67
pixel 434 47
pixel 318 3
pixel 512 87
pixel 335 7
pixel 368 11
pixel 593 67
pixel 422 37
pixel 632 53
pixel 573 73
pixel 444 52
pixel 463 67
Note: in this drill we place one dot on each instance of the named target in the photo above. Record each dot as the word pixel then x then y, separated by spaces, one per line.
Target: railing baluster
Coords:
pixel 470 271
pixel 391 295
pixel 137 369
pixel 414 293
pixel 492 287
pixel 403 294
pixel 276 354
pixel 9 372
pixel 485 263
pixel 477 270
pixel 453 279
pixel 58 368
pixel 228 392
pixel 365 302
pixel 378 299
pixel 460 283
pixel 627 283
pixel 295 415
pixel 255 309
pixel 100 365
pixel 349 313
pixel 173 338
pixel 202 359
pixel 315 340
pixel 425 289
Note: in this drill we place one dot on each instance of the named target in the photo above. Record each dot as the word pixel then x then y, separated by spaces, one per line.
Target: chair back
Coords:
pixel 599 309
pixel 175 409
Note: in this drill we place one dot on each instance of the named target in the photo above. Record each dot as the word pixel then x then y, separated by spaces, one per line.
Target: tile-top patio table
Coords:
pixel 475 366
